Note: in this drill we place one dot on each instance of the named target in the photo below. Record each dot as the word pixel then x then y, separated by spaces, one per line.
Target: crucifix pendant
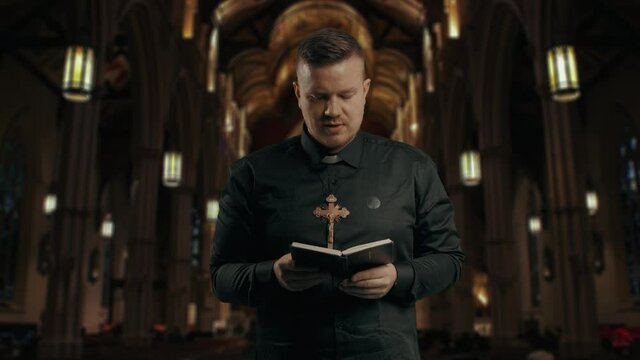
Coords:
pixel 332 213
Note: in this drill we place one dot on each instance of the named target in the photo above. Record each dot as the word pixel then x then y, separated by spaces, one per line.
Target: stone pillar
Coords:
pixel 73 225
pixel 462 310
pixel 206 300
pixel 179 275
pixel 573 286
pixel 140 262
pixel 501 249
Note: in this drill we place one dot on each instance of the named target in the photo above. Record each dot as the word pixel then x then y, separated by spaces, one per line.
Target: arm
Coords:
pixel 239 273
pixel 438 258
pixel 236 274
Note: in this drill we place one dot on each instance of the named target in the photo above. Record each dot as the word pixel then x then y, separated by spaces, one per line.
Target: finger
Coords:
pixel 369 283
pixel 288 277
pixel 364 294
pixel 373 273
pixel 291 265
pixel 301 285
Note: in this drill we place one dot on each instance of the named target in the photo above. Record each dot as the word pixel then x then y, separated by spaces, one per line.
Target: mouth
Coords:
pixel 332 127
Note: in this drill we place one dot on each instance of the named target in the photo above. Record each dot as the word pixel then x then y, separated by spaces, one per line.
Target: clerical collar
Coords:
pixel 351 154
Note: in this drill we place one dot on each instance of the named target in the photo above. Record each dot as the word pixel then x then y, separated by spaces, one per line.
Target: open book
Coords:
pixel 346 262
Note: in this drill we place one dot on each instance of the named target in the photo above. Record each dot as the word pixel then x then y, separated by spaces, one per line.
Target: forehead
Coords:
pixel 333 77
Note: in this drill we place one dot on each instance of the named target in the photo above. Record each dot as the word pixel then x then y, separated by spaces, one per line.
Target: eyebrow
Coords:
pixel 343 92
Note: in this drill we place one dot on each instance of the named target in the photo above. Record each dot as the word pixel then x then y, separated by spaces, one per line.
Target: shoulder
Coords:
pixel 267 157
pixel 385 148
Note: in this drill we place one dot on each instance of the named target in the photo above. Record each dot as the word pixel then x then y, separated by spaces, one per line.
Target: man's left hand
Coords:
pixel 373 283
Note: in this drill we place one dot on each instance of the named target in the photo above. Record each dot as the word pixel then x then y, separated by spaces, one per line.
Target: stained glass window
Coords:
pixel 630 200
pixel 12 178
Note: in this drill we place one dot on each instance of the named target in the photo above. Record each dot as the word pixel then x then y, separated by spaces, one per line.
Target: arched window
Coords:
pixel 12 178
pixel 630 200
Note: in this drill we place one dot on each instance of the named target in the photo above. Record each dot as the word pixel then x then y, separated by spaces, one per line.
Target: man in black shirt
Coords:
pixel 391 190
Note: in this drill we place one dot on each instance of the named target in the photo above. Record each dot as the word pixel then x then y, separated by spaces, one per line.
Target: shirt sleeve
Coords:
pixel 236 274
pixel 437 256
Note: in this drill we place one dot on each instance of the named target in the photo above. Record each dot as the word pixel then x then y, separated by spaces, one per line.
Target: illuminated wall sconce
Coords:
pixel 592 201
pixel 535 224
pixel 470 171
pixel 78 76
pixel 50 204
pixel 213 209
pixel 563 74
pixel 107 227
pixel 172 174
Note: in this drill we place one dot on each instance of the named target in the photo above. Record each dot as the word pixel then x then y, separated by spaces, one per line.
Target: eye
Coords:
pixel 315 97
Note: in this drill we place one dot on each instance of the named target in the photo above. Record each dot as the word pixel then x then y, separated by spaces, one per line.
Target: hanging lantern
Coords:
pixel 189 13
pixel 535 224
pixel 592 202
pixel 470 173
pixel 427 59
pixel 213 208
pixel 563 74
pixel 172 169
pixel 453 18
pixel 77 81
pixel 212 61
pixel 50 204
pixel 106 229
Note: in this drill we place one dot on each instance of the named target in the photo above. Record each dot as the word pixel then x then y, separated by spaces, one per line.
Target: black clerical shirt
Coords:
pixel 391 190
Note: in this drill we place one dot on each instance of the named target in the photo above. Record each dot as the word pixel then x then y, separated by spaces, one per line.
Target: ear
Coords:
pixel 296 89
pixel 365 85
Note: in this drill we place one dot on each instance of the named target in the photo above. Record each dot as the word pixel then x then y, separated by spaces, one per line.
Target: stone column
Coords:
pixel 179 275
pixel 573 286
pixel 500 245
pixel 206 301
pixel 462 311
pixel 73 225
pixel 142 248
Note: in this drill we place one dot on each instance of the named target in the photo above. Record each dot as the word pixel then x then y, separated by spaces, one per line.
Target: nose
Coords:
pixel 331 109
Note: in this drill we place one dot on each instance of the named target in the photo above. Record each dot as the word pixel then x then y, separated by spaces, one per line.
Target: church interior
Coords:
pixel 120 119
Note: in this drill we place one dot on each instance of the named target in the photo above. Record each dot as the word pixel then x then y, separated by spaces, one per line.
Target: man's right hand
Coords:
pixel 296 278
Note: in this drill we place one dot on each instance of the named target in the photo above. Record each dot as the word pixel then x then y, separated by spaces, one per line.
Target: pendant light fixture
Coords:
pixel 172 171
pixel 470 170
pixel 563 73
pixel 78 75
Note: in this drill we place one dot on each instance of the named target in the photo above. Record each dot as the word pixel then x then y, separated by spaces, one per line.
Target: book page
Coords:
pixel 357 248
pixel 316 248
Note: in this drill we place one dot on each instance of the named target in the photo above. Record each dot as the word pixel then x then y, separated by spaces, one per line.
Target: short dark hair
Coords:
pixel 328 46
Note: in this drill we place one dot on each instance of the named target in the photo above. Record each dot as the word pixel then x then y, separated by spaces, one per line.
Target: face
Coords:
pixel 332 99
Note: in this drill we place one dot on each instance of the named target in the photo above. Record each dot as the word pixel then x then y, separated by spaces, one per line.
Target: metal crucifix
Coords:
pixel 332 213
